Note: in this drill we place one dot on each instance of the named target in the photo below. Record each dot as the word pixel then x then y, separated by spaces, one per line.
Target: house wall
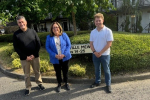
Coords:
pixel 145 16
pixel 145 20
pixel 66 25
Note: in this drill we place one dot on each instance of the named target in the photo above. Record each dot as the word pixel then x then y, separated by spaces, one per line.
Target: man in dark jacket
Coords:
pixel 27 44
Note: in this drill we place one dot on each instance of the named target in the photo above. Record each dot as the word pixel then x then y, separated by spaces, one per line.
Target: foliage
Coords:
pixel 4 18
pixel 6 38
pixel 76 70
pixel 42 36
pixel 16 63
pixel 44 66
pixel 9 50
pixel 33 10
pixel 83 18
pixel 80 39
pixel 70 7
pixel 14 55
pixel 129 53
pixel 110 20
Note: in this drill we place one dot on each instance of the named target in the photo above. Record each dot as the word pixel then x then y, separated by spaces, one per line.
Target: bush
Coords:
pixel 6 38
pixel 16 63
pixel 14 55
pixel 44 66
pixel 129 52
pixel 76 70
pixel 9 50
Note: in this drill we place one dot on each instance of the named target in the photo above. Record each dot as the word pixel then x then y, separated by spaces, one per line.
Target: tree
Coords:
pixel 36 10
pixel 33 10
pixel 69 7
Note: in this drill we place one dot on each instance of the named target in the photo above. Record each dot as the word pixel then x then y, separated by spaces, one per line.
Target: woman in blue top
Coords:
pixel 58 46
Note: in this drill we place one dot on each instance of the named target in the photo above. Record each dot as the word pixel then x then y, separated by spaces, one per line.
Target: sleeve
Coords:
pixel 38 44
pixel 48 48
pixel 109 35
pixel 17 48
pixel 68 44
pixel 91 38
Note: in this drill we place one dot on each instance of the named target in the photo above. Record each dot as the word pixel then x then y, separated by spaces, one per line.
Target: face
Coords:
pixel 98 21
pixel 22 23
pixel 56 29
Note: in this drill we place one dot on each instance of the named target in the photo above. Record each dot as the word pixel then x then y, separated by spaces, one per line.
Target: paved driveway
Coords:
pixel 13 89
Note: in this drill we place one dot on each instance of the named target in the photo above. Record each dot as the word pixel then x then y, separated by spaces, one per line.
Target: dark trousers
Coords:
pixel 62 66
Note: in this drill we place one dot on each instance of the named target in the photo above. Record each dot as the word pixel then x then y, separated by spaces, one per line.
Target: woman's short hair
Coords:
pixel 99 15
pixel 51 28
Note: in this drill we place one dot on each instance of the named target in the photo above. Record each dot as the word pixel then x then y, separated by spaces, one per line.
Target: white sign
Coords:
pixel 80 49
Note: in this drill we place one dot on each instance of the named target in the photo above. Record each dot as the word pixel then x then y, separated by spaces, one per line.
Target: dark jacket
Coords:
pixel 26 43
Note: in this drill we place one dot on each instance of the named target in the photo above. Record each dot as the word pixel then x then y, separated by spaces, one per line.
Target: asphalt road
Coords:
pixel 13 89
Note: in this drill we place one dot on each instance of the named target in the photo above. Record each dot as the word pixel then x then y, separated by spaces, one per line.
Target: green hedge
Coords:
pixel 42 36
pixel 129 51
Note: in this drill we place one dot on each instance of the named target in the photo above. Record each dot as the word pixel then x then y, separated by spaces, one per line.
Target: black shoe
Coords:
pixel 108 89
pixel 58 88
pixel 27 92
pixel 41 87
pixel 67 86
pixel 95 84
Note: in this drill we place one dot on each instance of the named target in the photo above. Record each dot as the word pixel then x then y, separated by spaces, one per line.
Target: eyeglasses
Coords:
pixel 55 27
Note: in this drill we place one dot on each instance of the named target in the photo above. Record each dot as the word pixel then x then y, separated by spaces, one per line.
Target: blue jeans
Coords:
pixel 105 61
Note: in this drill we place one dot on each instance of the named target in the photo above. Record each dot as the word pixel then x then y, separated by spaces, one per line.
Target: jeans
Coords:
pixel 104 60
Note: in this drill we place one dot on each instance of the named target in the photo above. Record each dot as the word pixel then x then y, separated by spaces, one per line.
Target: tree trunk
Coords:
pixel 74 23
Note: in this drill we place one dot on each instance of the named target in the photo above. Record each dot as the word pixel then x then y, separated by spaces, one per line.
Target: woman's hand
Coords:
pixel 60 56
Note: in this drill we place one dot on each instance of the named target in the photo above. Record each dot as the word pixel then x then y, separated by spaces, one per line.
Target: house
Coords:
pixel 143 6
pixel 44 25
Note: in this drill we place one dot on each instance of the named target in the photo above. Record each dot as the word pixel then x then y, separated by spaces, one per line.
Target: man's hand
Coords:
pixel 28 58
pixel 97 54
pixel 31 57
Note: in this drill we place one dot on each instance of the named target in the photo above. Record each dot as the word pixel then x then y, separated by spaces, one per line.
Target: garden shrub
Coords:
pixel 14 55
pixel 9 50
pixel 129 52
pixel 44 66
pixel 16 63
pixel 43 36
pixel 76 70
pixel 6 38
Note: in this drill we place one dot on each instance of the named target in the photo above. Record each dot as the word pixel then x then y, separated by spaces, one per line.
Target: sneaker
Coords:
pixel 27 92
pixel 108 89
pixel 58 88
pixel 41 87
pixel 67 86
pixel 95 84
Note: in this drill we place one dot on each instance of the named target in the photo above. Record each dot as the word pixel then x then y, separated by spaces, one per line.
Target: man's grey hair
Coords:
pixel 20 17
